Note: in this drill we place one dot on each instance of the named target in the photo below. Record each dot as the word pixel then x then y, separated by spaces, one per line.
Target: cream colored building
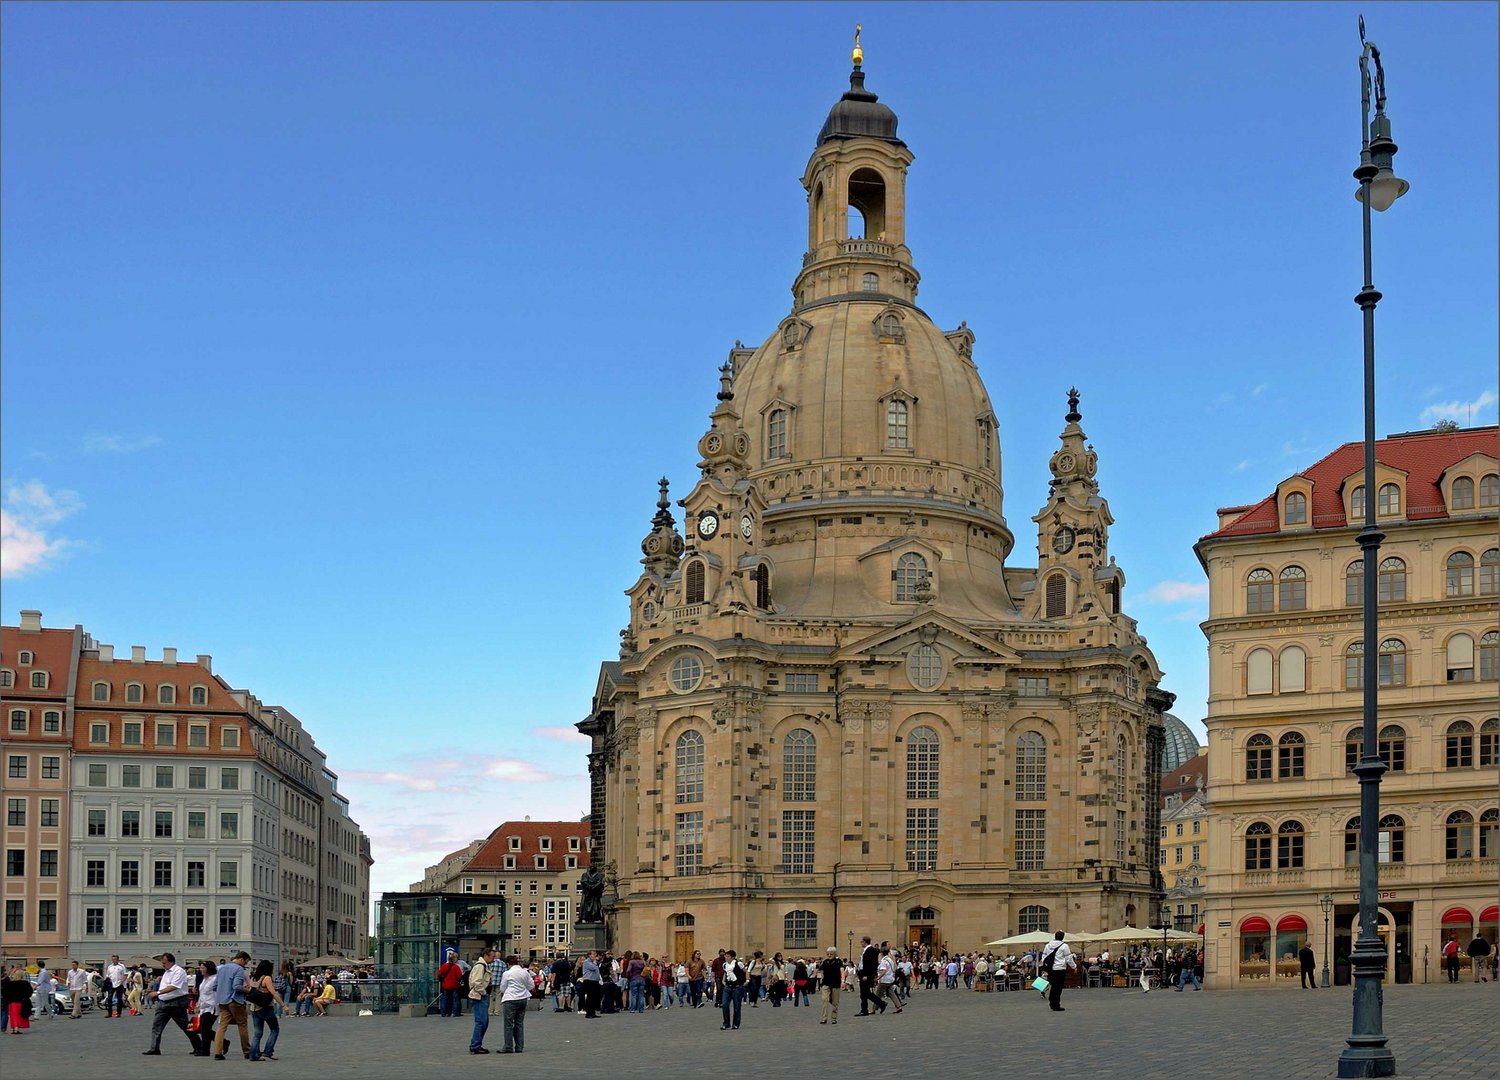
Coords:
pixel 839 710
pixel 1285 664
pixel 1184 841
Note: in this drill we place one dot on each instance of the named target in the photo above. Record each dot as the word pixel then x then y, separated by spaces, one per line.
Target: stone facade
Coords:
pixel 1285 708
pixel 837 709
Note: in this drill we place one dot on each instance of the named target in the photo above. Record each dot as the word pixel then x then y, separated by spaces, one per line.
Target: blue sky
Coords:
pixel 346 343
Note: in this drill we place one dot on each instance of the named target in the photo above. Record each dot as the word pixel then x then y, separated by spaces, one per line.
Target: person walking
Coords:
pixel 697 970
pixel 449 974
pixel 229 988
pixel 1307 961
pixel 78 984
pixel 635 978
pixel 1450 958
pixel 114 988
pixel 479 999
pixel 262 999
pixel 885 981
pixel 1479 956
pixel 562 984
pixel 515 994
pixel 732 991
pixel 208 1004
pixel 15 993
pixel 831 973
pixel 1057 961
pixel 172 998
pixel 869 968
pixel 1188 968
pixel 590 985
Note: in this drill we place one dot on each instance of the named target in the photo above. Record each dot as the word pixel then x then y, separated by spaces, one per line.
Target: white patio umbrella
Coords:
pixel 1132 934
pixel 1035 937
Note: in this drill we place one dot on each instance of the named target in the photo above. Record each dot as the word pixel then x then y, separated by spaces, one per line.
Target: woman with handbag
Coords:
pixel 262 998
pixel 207 1014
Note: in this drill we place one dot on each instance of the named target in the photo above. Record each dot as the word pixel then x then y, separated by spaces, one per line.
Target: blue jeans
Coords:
pixel 481 1011
pixel 513 1022
pixel 448 1003
pixel 637 995
pixel 1188 973
pixel 682 993
pixel 260 1020
pixel 666 995
pixel 695 991
pixel 732 996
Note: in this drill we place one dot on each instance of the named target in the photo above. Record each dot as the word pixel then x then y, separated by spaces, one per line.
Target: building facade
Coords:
pixel 535 866
pixel 149 807
pixel 838 709
pixel 1184 841
pixel 1285 699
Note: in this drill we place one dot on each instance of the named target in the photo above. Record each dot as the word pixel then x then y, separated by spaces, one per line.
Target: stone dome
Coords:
pixel 859 114
pixel 1181 744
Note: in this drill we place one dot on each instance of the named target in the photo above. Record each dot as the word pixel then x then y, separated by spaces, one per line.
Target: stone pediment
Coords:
pixel 930 626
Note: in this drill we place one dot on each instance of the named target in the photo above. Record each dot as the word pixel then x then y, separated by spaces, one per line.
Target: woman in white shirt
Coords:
pixel 208 1000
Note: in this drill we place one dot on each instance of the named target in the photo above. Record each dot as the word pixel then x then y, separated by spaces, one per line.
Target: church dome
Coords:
pixel 1181 744
pixel 859 114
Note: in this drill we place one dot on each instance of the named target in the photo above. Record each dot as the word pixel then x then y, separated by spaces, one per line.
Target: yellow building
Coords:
pixel 1285 697
pixel 1184 840
pixel 838 709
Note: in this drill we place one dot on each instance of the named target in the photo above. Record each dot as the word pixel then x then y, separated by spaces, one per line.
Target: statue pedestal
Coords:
pixel 588 936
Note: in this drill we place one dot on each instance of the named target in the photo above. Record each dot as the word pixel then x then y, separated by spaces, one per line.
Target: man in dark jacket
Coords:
pixel 1479 956
pixel 869 968
pixel 1309 963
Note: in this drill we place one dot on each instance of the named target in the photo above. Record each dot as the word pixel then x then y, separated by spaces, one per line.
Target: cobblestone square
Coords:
pixel 1435 1031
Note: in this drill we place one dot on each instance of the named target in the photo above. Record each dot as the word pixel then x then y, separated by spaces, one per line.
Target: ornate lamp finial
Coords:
pixel 1073 414
pixel 859 54
pixel 726 383
pixel 663 502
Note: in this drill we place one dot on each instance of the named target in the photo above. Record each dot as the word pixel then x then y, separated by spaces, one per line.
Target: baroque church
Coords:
pixel 838 709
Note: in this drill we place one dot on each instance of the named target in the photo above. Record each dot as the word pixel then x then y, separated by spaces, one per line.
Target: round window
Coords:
pixel 924 664
pixel 648 611
pixel 687 673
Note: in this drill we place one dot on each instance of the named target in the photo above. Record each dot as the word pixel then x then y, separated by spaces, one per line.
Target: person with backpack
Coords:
pixel 1057 960
pixel 479 998
pixel 732 993
pixel 1479 955
pixel 1450 958
pixel 450 978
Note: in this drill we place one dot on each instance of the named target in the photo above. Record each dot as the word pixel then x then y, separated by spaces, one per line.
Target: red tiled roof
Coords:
pixel 52 652
pixel 1187 777
pixel 1422 456
pixel 492 855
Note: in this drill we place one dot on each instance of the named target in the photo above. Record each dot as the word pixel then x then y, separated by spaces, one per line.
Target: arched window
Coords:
pixel 897 425
pixel 1351 841
pixel 135 693
pixel 1489 822
pixel 1392 663
pixel 1031 767
pixel 1391 586
pixel 776 434
pixel 1296 509
pixel 1354 583
pixel 1291 756
pixel 1392 747
pixel 684 921
pixel 1354 666
pixel 1489 656
pixel 1057 596
pixel 694 578
pixel 922 751
pixel 1293 588
pixel 911 569
pixel 924 666
pixel 799 766
pixel 1460 665
pixel 1289 845
pixel 689 762
pixel 800 928
pixel 1258 846
pixel 1388 501
pixel 1458 836
pixel 1458 748
pixel 890 326
pixel 1292 664
pixel 1489 743
pixel 200 695
pixel 761 575
pixel 101 691
pixel 1460 574
pixel 987 442
pixel 871 282
pixel 1035 919
pixel 790 335
pixel 1258 757
pixel 1390 840
pixel 166 694
pixel 1357 503
pixel 1259 591
pixel 1118 786
pixel 1489 572
pixel 1463 494
pixel 1489 491
pixel 1258 671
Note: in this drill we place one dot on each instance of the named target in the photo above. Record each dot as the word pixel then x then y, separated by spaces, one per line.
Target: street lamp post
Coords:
pixel 851 945
pixel 1326 903
pixel 1367 1053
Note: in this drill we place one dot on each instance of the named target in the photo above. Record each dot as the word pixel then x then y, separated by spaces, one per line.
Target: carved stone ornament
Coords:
pixel 723 713
pixel 1325 640
pixel 1226 647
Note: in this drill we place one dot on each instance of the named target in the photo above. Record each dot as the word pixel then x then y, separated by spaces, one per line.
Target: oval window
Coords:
pixel 687 673
pixel 924 664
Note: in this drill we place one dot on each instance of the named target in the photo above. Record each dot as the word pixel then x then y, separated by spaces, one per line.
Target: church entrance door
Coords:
pixel 682 947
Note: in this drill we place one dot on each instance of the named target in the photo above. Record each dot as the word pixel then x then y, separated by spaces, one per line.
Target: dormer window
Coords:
pixel 546 843
pixel 1388 501
pixel 24 658
pixel 166 694
pixel 39 680
pixel 135 693
pixel 515 842
pixel 7 678
pixel 510 863
pixel 1463 494
pixel 1057 596
pixel 1357 503
pixel 1295 509
pixel 200 695
pixel 574 844
pixel 541 862
pixel 776 434
pixel 789 336
pixel 1489 492
pixel 693 581
pixel 897 425
pixel 911 571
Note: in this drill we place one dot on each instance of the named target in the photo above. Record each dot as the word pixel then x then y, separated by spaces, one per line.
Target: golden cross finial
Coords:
pixel 859 54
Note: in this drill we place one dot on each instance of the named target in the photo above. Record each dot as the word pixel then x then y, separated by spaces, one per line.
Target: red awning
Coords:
pixel 1201 928
pixel 1254 925
pixel 1291 922
pixel 1490 914
pixel 1457 916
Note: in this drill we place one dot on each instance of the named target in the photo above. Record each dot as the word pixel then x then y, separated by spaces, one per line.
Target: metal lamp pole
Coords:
pixel 1326 903
pixel 1367 1053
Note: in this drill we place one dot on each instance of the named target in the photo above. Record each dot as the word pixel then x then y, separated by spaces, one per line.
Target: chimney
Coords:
pixel 206 662
pixel 107 653
pixel 31 621
pixel 137 654
pixel 169 656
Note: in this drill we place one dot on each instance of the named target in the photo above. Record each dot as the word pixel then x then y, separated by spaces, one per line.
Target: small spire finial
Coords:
pixel 1073 414
pixel 726 383
pixel 663 502
pixel 859 54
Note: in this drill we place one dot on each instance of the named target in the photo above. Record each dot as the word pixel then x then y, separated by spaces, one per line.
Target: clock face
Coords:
pixel 747 526
pixel 1062 540
pixel 708 524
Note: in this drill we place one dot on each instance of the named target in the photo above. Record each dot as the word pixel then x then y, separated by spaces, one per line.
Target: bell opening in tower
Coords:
pixel 866 205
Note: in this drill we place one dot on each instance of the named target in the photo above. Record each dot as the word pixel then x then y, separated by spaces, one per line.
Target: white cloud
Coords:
pixel 100 443
pixel 1175 592
pixel 562 734
pixel 1259 390
pixel 1243 465
pixel 27 543
pixel 1464 412
pixel 523 772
